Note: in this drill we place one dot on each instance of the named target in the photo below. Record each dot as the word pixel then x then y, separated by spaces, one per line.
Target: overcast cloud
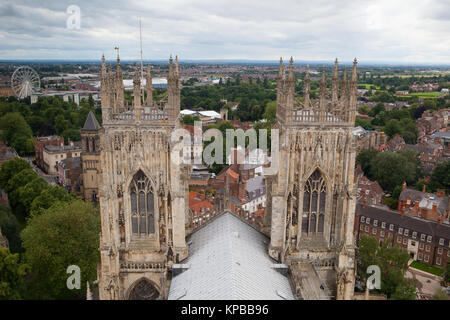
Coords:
pixel 371 30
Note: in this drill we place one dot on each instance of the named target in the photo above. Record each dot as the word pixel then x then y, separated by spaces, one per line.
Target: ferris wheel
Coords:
pixel 24 82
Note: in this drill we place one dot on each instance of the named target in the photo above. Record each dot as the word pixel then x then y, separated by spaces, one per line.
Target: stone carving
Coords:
pixel 316 135
pixel 133 141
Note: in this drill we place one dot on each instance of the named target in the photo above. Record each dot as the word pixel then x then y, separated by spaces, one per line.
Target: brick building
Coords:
pixel 40 143
pixel 201 208
pixel 369 191
pixel 69 171
pixel 425 205
pixel 54 154
pixel 425 240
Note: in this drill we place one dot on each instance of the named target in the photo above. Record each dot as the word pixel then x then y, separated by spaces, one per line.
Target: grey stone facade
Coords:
pixel 142 193
pixel 312 197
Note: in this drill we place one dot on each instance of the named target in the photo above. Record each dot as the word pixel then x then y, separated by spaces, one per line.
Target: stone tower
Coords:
pixel 90 157
pixel 312 205
pixel 142 193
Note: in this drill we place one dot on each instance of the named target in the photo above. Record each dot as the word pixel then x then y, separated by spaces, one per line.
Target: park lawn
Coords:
pixel 427 268
pixel 410 75
pixel 368 86
pixel 423 95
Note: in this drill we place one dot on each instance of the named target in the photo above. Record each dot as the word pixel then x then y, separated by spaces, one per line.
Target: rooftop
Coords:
pixel 228 260
pixel 91 123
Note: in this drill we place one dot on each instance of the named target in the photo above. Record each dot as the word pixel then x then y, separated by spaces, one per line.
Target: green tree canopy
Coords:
pixel 10 228
pixel 10 168
pixel 391 169
pixel 47 198
pixel 30 191
pixel 17 133
pixel 393 128
pixel 364 158
pixel 12 275
pixel 441 176
pixel 393 263
pixel 65 234
pixel 270 112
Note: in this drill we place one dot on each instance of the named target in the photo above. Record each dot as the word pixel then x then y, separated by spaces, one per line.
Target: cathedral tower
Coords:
pixel 90 157
pixel 142 192
pixel 312 203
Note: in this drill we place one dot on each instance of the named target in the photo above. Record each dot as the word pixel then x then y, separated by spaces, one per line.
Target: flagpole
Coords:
pixel 142 66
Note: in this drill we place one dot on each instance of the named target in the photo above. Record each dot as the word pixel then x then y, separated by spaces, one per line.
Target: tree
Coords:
pixel 270 112
pixel 366 255
pixel 391 169
pixel 405 290
pixel 393 263
pixel 393 128
pixel 446 274
pixel 364 159
pixel 441 176
pixel 10 168
pixel 15 184
pixel 20 179
pixel 30 191
pixel 12 275
pixel 9 227
pixel 63 235
pixel 363 110
pixel 17 133
pixel 47 198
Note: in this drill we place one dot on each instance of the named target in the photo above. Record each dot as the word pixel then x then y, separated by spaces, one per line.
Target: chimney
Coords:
pixel 365 202
pixel 439 221
pixel 404 185
pixel 424 188
pixel 440 193
pixel 434 208
pixel 242 191
pixel 416 205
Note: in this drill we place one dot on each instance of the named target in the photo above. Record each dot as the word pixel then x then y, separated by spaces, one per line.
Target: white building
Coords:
pixel 256 194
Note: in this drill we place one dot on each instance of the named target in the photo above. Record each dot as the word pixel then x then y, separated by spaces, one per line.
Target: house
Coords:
pixel 425 205
pixel 366 139
pixel 69 171
pixel 395 144
pixel 369 191
pixel 425 240
pixel 255 194
pixel 53 154
pixel 40 143
pixel 429 154
pixel 200 208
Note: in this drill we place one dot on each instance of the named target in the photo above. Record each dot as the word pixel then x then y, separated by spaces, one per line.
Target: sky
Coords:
pixel 397 31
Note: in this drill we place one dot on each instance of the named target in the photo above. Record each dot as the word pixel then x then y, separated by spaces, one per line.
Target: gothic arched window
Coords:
pixel 142 205
pixel 314 201
pixel 144 290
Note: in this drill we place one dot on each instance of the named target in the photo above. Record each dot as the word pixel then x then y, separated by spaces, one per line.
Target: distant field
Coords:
pixel 424 95
pixel 368 86
pixel 412 75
